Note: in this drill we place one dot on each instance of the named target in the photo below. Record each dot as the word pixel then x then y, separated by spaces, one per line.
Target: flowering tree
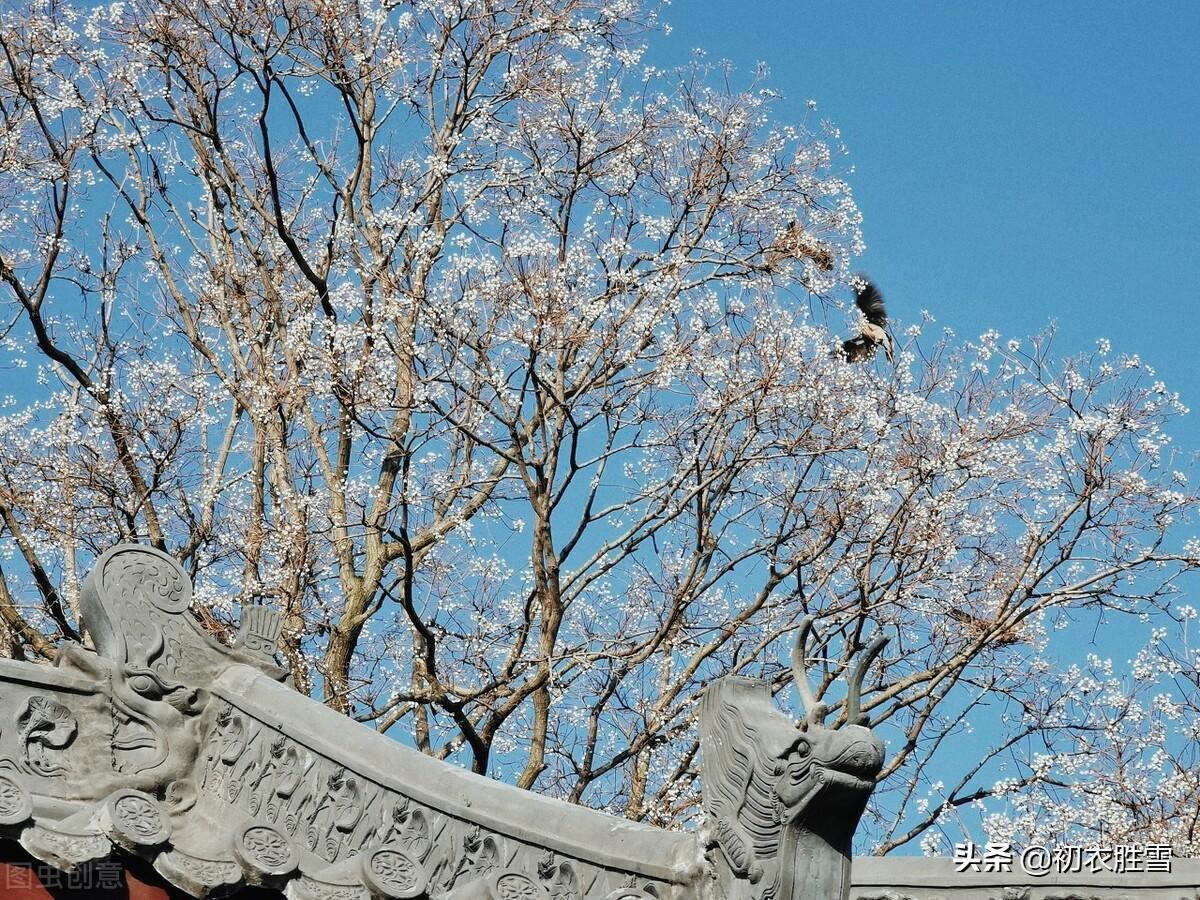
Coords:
pixel 1119 764
pixel 499 362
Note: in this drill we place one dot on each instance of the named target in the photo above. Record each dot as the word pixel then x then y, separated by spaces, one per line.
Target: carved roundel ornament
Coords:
pixel 629 893
pixel 135 819
pixel 265 853
pixel 392 873
pixel 16 806
pixel 509 884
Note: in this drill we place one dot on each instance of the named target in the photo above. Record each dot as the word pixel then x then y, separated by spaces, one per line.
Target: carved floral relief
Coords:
pixel 46 727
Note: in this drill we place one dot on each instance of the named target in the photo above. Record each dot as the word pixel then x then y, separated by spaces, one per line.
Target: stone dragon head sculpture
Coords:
pixel 783 800
pixel 151 655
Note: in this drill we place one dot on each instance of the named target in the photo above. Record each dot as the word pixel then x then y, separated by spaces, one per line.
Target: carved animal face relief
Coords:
pixel 152 655
pixel 782 801
pixel 825 762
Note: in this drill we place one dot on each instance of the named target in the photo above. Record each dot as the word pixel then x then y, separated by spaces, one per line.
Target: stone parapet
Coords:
pixel 896 878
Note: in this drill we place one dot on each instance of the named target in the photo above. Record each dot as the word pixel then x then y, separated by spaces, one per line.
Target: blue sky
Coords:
pixel 1015 163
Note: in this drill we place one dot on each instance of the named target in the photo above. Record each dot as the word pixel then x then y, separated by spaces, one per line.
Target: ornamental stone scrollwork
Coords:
pixel 279 765
pixel 199 876
pixel 339 810
pixel 65 849
pixel 403 824
pixel 139 579
pixel 231 735
pixel 415 836
pixel 482 853
pixel 334 813
pixel 503 884
pixel 488 857
pixel 308 888
pixel 46 727
pixel 135 602
pixel 407 826
pixel 559 878
pixel 510 885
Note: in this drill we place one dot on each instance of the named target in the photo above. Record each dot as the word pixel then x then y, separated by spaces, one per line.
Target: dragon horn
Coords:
pixel 814 712
pixel 854 696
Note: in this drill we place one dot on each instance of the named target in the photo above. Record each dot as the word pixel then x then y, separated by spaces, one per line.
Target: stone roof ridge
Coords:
pixel 166 744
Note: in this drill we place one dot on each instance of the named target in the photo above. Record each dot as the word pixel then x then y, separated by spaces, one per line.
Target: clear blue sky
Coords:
pixel 1015 163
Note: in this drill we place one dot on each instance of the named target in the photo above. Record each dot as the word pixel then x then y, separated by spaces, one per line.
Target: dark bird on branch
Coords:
pixel 874 324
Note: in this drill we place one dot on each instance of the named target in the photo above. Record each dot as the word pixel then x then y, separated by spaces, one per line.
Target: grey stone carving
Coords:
pixel 66 849
pixel 165 743
pixel 308 888
pixel 16 806
pixel 134 820
pixel 135 602
pixel 782 801
pixel 266 854
pixel 258 632
pixel 509 885
pixel 390 873
pixel 198 876
pixel 502 884
pixel 45 726
pixel 152 722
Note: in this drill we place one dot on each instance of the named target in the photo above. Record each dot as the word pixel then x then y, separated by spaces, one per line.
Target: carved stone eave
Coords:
pixel 569 830
pixel 200 758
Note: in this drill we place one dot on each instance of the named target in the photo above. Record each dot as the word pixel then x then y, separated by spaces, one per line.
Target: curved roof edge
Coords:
pixel 566 828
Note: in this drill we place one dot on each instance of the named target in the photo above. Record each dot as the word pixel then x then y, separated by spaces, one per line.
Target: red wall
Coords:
pixel 106 880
